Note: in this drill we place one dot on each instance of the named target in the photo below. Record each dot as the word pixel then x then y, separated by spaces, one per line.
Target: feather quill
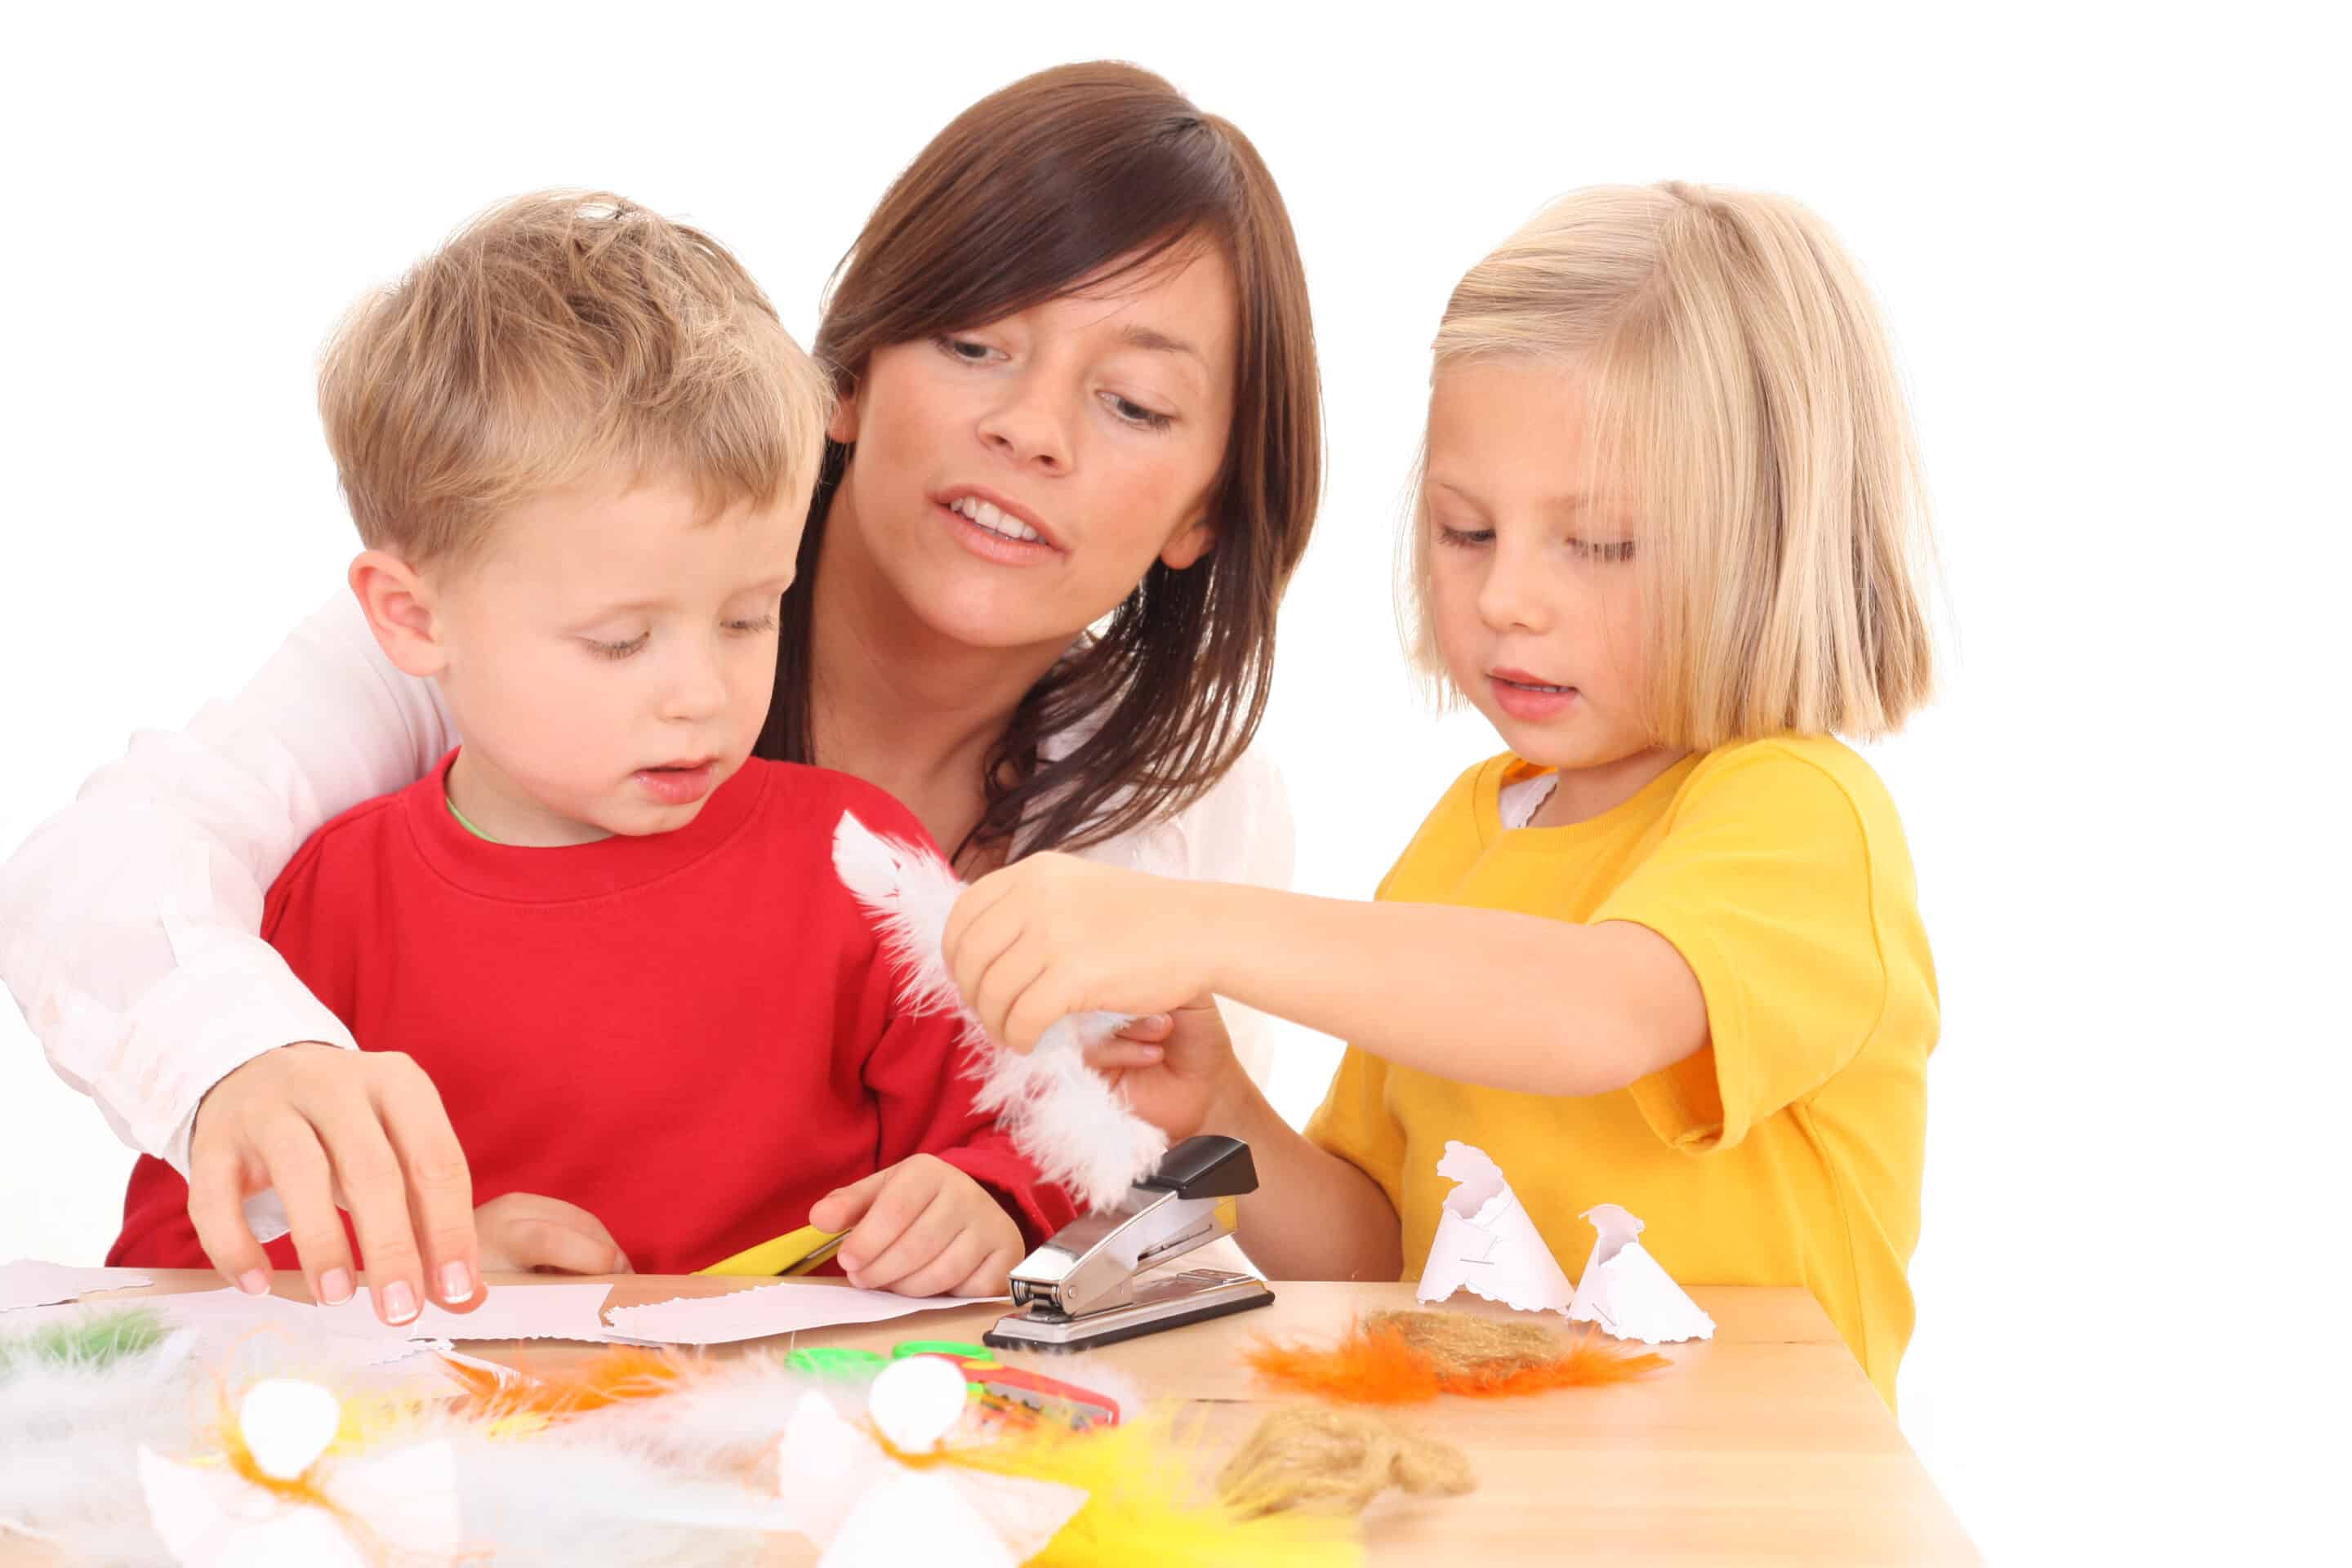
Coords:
pixel 1071 1123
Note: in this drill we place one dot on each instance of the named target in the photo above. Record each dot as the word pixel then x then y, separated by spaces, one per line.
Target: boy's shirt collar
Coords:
pixel 458 851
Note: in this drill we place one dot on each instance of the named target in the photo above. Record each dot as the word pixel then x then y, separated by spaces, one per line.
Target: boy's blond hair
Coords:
pixel 557 334
pixel 1746 412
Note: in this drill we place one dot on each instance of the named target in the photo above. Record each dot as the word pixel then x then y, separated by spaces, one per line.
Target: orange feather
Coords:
pixel 1376 1364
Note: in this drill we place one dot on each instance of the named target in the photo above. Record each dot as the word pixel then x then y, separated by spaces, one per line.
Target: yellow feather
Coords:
pixel 1143 1508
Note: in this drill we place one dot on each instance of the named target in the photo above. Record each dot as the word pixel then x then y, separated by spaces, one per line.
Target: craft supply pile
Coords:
pixel 213 1427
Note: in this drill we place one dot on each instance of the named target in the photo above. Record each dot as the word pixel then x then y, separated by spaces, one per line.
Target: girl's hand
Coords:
pixel 524 1233
pixel 1176 1068
pixel 1053 935
pixel 921 1227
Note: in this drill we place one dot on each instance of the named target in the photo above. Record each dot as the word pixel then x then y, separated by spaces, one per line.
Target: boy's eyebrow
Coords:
pixel 778 586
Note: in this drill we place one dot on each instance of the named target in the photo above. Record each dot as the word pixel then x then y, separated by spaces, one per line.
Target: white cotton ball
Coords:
pixel 916 1401
pixel 288 1423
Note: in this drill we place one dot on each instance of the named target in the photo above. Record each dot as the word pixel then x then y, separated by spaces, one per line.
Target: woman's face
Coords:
pixel 1014 482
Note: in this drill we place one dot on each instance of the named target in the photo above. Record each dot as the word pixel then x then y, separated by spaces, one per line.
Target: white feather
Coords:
pixel 1077 1129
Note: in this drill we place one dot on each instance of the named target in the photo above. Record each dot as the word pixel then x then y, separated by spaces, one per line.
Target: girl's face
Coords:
pixel 1534 597
pixel 1014 481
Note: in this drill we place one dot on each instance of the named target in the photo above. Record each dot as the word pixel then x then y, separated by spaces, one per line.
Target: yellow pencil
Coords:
pixel 798 1253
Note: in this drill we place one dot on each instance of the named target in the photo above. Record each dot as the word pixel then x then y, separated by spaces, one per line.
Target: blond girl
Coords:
pixel 1665 951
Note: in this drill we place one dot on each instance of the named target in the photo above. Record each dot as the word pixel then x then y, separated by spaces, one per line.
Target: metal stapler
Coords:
pixel 1089 1287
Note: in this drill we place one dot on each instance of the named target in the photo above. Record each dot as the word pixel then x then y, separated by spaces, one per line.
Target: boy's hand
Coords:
pixel 327 1127
pixel 522 1231
pixel 921 1229
pixel 1174 1067
pixel 1053 935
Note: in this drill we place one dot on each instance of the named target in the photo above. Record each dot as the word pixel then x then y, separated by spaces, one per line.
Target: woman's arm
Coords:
pixel 128 935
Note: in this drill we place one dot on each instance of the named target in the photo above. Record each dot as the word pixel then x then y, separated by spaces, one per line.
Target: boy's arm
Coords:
pixel 917 1074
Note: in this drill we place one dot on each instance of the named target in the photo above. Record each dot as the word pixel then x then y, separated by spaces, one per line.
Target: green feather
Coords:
pixel 99 1339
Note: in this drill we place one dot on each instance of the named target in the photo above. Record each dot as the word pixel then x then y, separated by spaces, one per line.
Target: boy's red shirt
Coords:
pixel 693 1036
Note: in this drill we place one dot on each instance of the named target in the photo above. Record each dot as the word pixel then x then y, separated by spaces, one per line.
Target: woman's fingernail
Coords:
pixel 1158 1021
pixel 1151 1053
pixel 456 1283
pixel 335 1287
pixel 399 1301
pixel 253 1282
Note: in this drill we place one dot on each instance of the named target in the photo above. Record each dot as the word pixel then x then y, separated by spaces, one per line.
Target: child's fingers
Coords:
pixel 1007 981
pixel 957 1261
pixel 550 1244
pixel 975 901
pixel 994 1273
pixel 919 1238
pixel 842 1208
pixel 1044 1001
pixel 982 945
pixel 216 1208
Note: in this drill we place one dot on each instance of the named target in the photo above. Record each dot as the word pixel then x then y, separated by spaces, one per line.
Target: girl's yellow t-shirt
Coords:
pixel 1786 1153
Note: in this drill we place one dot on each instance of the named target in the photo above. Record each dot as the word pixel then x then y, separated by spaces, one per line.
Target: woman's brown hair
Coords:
pixel 1081 173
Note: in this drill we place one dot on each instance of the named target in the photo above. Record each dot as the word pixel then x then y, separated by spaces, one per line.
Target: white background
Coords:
pixel 2106 247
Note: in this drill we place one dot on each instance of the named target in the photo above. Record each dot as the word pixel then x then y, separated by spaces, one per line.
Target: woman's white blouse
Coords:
pixel 129 922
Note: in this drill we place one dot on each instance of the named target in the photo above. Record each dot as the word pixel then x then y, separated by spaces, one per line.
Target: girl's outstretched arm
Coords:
pixel 1484 996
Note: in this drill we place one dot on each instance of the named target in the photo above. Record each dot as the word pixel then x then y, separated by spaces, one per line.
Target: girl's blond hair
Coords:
pixel 1745 410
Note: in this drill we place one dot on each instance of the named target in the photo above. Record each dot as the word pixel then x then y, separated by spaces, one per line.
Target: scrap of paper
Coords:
pixel 1487 1242
pixel 28 1283
pixel 550 1311
pixel 766 1310
pixel 1628 1293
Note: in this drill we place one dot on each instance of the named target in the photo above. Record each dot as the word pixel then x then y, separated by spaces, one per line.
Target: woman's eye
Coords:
pixel 1136 413
pixel 1608 550
pixel 763 624
pixel 962 349
pixel 1464 538
pixel 620 649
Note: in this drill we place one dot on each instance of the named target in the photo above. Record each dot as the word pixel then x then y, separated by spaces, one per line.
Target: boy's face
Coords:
pixel 1533 593
pixel 609 657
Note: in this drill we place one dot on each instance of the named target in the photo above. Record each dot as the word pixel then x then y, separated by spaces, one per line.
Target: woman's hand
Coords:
pixel 329 1128
pixel 1053 935
pixel 1176 1068
pixel 524 1233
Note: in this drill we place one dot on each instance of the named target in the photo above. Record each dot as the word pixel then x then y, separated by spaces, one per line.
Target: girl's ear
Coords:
pixel 400 611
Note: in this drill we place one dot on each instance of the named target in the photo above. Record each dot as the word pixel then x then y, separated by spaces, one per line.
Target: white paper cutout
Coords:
pixel 865 1509
pixel 1487 1242
pixel 1626 1292
pixel 209 1516
pixel 766 1310
pixel 916 1401
pixel 28 1283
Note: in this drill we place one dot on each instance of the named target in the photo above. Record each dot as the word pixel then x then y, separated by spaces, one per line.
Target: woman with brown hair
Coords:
pixel 1075 461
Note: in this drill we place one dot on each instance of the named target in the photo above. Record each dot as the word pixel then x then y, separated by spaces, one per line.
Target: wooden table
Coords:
pixel 1765 1443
